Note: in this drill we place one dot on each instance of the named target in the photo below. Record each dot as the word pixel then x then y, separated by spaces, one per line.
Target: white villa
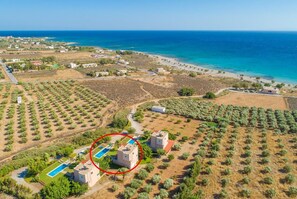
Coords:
pixel 270 90
pixel 89 65
pixel 72 65
pixel 127 156
pixel 159 140
pixel 87 173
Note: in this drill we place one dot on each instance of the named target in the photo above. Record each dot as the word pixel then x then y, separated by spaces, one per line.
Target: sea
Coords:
pixel 270 55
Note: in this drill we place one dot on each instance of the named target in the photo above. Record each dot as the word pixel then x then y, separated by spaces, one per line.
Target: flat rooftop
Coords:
pixel 160 134
pixel 127 149
pixel 84 167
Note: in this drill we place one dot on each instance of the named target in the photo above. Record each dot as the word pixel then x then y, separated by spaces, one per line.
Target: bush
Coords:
pixel 287 169
pixel 149 167
pixel 161 152
pixel 185 156
pixel 209 95
pixel 224 182
pixel 163 193
pixel 170 157
pixel 204 182
pixel 143 174
pixel 176 147
pixel 289 179
pixel 245 193
pixel 168 183
pixel 143 195
pixel 135 183
pixel 156 178
pixel 148 188
pixel 292 192
pixel 186 91
pixel 114 188
pixel 267 180
pixel 129 192
pixel 269 193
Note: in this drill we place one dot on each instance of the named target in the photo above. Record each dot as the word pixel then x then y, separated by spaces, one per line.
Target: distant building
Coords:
pixel 89 65
pixel 19 100
pixel 127 156
pixel 36 63
pixel 162 71
pixel 87 173
pixel 15 60
pixel 160 140
pixel 122 61
pixel 159 109
pixel 270 90
pixel 122 72
pixel 72 65
pixel 102 74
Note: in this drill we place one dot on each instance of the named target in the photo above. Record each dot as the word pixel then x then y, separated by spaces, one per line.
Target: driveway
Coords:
pixel 136 125
pixel 18 176
pixel 9 74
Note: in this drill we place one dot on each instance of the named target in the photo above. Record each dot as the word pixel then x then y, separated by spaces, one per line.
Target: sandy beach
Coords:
pixel 175 63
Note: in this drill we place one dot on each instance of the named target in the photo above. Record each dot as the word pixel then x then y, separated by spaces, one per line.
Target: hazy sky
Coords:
pixel 148 14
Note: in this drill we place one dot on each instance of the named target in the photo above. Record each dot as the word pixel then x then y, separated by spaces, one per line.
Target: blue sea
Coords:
pixel 271 55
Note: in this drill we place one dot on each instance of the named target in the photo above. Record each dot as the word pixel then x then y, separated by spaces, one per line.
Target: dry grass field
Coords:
pixel 250 100
pixel 49 75
pixel 292 102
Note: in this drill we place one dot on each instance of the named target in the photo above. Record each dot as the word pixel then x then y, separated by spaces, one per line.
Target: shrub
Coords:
pixel 168 183
pixel 163 193
pixel 149 167
pixel 176 147
pixel 287 169
pixel 135 183
pixel 224 182
pixel 247 170
pixel 148 188
pixel 186 91
pixel 170 157
pixel 142 174
pixel 156 178
pixel 289 179
pixel 209 95
pixel 292 192
pixel 185 156
pixel 161 152
pixel 267 180
pixel 114 188
pixel 223 194
pixel 129 192
pixel 204 182
pixel 269 193
pixel 143 195
pixel 245 193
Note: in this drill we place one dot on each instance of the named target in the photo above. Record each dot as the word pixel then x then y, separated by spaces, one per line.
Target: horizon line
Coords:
pixel 230 30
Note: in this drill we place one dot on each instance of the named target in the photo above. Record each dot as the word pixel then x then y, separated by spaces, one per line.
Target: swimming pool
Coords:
pixel 101 153
pixel 57 170
pixel 131 141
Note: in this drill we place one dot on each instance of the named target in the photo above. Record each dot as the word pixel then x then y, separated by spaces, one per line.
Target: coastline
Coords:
pixel 175 63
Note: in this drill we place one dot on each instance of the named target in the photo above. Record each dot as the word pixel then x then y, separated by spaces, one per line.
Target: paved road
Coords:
pixel 137 126
pixel 10 75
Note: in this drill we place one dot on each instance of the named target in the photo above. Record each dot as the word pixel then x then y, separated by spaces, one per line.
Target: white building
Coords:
pixel 270 90
pixel 127 156
pixel 19 99
pixel 102 74
pixel 87 173
pixel 72 65
pixel 89 65
pixel 122 72
pixel 159 109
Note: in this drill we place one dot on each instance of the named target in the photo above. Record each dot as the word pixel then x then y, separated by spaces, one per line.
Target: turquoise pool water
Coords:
pixel 101 153
pixel 57 170
pixel 131 141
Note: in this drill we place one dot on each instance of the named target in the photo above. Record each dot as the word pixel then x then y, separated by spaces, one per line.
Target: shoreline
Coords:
pixel 163 60
pixel 180 65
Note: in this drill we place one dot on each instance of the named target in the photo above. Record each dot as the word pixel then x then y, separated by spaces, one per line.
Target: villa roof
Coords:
pixel 127 149
pixel 160 134
pixel 84 167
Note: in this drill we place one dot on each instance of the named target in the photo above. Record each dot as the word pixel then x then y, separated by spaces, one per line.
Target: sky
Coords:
pixel 148 15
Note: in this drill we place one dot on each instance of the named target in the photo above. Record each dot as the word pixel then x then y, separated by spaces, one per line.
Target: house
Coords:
pixel 89 65
pixel 162 71
pixel 19 100
pixel 102 74
pixel 270 90
pixel 86 173
pixel 127 156
pixel 122 61
pixel 72 65
pixel 159 109
pixel 122 72
pixel 36 63
pixel 160 140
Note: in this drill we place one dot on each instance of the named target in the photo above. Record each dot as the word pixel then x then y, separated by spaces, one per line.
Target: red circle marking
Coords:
pixel 114 134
